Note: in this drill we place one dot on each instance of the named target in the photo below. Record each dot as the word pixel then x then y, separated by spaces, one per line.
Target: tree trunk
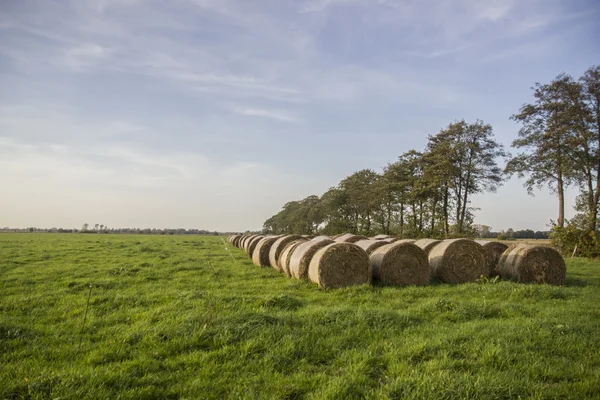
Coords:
pixel 389 217
pixel 446 212
pixel 420 216
pixel 464 204
pixel 434 205
pixel 561 201
pixel 594 210
pixel 401 218
pixel 458 203
pixel 414 215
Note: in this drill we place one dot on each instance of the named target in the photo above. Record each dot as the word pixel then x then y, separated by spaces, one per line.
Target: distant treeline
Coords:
pixel 511 234
pixel 137 231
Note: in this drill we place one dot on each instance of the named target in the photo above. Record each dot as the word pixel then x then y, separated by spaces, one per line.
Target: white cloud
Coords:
pixel 270 114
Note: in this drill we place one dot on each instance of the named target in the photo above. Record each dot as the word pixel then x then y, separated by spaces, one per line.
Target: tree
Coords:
pixel 85 227
pixel 336 210
pixel 411 196
pixel 469 154
pixel 587 144
pixel 545 138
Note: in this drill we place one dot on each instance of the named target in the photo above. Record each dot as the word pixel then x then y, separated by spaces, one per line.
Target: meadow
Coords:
pixel 190 317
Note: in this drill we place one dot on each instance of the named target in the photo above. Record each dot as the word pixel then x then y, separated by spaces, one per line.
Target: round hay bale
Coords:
pixel 400 263
pixel 395 239
pixel 286 254
pixel 300 259
pixel 427 244
pixel 379 237
pixel 340 265
pixel 251 244
pixel 247 239
pixel 532 264
pixel 260 256
pixel 278 247
pixel 350 238
pixel 318 237
pixel 370 245
pixel 493 251
pixel 237 241
pixel 457 261
pixel 233 239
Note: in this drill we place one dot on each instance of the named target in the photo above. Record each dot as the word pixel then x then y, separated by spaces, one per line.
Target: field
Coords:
pixel 189 317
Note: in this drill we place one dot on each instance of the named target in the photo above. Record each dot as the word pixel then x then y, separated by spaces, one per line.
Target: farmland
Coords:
pixel 192 317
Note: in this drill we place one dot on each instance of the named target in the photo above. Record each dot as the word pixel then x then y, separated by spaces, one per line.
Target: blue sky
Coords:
pixel 214 113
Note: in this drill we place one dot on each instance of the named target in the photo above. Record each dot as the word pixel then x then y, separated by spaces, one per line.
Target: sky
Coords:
pixel 212 114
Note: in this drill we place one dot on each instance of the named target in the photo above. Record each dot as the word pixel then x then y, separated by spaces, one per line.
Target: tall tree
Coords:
pixel 544 139
pixel 361 190
pixel 588 142
pixel 470 160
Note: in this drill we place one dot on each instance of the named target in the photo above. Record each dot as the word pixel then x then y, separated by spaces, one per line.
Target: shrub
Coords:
pixel 566 239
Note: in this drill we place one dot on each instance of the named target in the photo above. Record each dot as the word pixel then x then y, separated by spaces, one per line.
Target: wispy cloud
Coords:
pixel 270 114
pixel 183 98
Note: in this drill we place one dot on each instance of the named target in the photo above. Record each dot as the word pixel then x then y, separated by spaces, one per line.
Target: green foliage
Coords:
pixel 566 239
pixel 176 317
pixel 413 197
pixel 559 140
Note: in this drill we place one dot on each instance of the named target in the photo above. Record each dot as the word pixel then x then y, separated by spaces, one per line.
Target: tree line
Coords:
pixel 423 193
pixel 428 192
pixel 104 229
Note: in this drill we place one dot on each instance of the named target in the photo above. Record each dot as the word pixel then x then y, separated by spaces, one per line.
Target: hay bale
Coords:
pixel 238 242
pixel 400 263
pixel 427 244
pixel 300 259
pixel 340 265
pixel 394 240
pixel 350 238
pixel 493 251
pixel 278 247
pixel 379 237
pixel 234 238
pixel 260 256
pixel 457 261
pixel 286 254
pixel 252 244
pixel 319 237
pixel 532 264
pixel 246 241
pixel 370 245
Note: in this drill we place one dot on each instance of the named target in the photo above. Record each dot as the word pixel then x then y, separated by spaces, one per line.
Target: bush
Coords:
pixel 566 239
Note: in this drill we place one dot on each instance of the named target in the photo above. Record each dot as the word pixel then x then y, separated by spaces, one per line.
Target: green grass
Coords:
pixel 176 317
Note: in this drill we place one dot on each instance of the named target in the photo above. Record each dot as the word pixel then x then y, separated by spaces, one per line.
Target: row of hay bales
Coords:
pixel 346 260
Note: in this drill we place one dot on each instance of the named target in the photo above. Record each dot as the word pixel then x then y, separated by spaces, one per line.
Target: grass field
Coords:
pixel 181 317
